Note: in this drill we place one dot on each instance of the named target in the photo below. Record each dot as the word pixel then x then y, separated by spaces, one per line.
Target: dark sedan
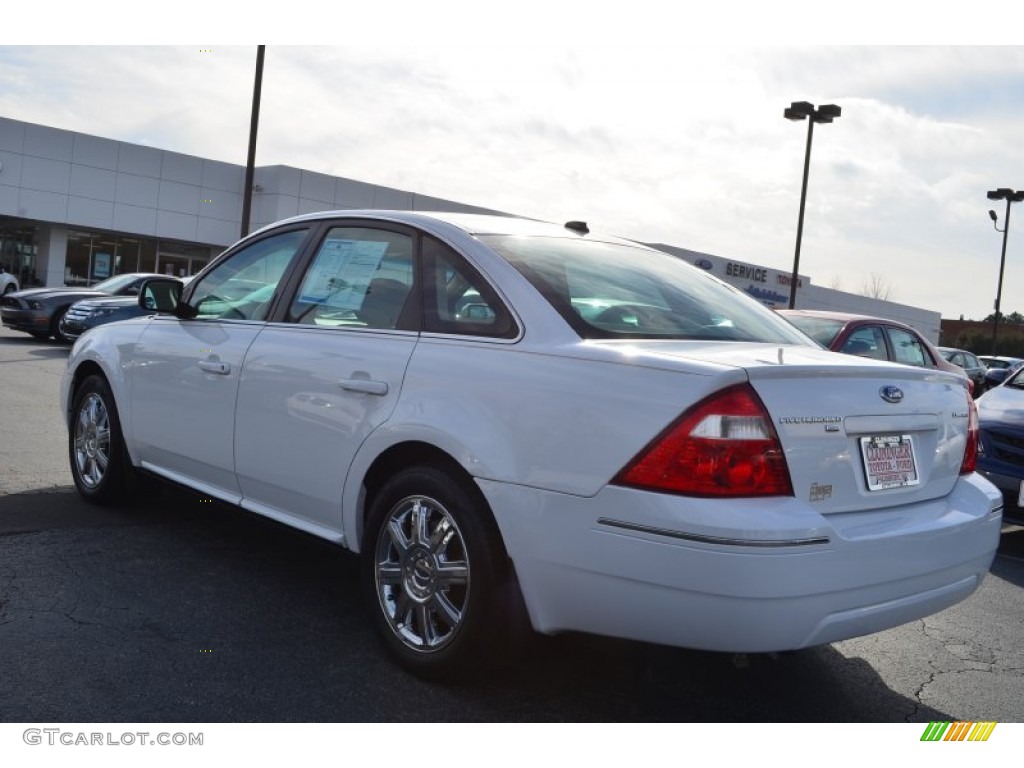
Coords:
pixel 88 313
pixel 1001 446
pixel 973 367
pixel 867 336
pixel 998 368
pixel 38 311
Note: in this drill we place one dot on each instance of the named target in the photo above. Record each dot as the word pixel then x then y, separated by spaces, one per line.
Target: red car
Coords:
pixel 870 337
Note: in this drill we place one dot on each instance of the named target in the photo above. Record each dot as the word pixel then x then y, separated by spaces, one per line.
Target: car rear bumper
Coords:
pixel 671 570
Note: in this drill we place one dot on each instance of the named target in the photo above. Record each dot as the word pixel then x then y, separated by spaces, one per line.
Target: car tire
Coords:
pixel 435 576
pixel 55 330
pixel 100 466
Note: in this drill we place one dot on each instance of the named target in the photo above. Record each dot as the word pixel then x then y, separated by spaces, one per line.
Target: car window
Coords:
pixel 243 285
pixel 971 361
pixel 867 341
pixel 360 277
pixel 908 349
pixel 613 290
pixel 457 299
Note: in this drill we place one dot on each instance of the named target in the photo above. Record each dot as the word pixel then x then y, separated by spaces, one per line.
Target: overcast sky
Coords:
pixel 645 136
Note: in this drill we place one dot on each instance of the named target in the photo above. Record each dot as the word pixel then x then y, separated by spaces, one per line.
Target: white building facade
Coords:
pixel 76 209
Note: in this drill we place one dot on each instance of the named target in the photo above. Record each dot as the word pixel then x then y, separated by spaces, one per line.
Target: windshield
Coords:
pixel 115 284
pixel 1016 379
pixel 608 290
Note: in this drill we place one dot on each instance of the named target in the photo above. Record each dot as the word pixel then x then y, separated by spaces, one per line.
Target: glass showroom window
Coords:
pixel 18 250
pixel 79 257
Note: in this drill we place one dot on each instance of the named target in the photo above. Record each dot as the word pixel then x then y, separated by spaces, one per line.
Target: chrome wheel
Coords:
pixel 92 441
pixel 422 573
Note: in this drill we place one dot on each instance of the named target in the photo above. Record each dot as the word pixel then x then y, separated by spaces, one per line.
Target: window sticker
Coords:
pixel 342 272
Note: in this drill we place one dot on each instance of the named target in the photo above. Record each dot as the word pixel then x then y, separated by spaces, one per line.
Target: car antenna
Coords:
pixel 578 226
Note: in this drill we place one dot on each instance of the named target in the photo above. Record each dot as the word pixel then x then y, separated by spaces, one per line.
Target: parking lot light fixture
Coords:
pixel 1010 196
pixel 804 110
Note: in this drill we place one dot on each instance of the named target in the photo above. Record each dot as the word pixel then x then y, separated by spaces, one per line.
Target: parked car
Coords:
pixel 873 337
pixel 997 361
pixel 508 418
pixel 1001 448
pixel 972 366
pixel 8 282
pixel 89 313
pixel 38 311
pixel 999 368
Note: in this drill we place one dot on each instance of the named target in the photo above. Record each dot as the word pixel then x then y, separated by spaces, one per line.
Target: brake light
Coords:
pixel 970 462
pixel 723 446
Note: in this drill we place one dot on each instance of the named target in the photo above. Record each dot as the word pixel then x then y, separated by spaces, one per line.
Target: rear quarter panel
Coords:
pixel 532 417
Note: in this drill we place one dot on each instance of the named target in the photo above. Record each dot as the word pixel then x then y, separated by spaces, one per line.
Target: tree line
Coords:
pixel 979 339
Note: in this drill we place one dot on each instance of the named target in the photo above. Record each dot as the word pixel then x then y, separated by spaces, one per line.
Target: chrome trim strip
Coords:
pixel 711 539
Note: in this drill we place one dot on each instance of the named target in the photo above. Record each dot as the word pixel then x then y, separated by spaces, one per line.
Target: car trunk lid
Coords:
pixel 857 434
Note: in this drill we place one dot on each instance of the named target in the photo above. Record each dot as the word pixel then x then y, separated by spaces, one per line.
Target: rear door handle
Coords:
pixel 215 366
pixel 366 386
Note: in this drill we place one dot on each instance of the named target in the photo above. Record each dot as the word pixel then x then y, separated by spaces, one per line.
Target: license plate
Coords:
pixel 889 461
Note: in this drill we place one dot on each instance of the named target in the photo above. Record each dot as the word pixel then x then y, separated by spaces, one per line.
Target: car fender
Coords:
pixel 111 352
pixel 353 498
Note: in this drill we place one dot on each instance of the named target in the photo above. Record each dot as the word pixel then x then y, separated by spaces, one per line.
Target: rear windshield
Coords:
pixel 822 329
pixel 609 290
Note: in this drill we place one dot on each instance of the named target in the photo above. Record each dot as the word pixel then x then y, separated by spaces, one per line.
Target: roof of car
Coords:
pixel 471 223
pixel 841 316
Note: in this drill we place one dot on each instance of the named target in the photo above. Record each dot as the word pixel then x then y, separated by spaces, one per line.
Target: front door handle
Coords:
pixel 215 366
pixel 366 386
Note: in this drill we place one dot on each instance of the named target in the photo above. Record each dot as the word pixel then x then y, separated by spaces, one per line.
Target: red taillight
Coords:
pixel 723 446
pixel 970 462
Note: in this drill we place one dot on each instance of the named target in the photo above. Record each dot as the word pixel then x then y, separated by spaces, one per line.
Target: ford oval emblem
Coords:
pixel 891 394
pixel 702 263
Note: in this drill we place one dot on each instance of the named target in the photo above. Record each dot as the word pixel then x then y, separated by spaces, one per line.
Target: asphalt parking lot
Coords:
pixel 177 609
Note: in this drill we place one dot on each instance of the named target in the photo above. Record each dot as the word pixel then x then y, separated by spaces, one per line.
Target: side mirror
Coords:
pixel 161 295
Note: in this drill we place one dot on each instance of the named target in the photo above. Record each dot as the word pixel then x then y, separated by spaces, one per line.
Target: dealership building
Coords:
pixel 76 209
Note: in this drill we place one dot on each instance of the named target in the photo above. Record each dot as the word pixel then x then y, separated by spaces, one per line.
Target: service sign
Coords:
pixel 889 461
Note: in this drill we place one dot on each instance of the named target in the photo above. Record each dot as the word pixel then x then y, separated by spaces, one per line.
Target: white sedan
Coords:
pixel 509 418
pixel 8 282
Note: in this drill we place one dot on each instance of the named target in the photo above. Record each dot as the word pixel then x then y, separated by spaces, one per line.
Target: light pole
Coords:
pixel 250 165
pixel 1010 196
pixel 802 110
